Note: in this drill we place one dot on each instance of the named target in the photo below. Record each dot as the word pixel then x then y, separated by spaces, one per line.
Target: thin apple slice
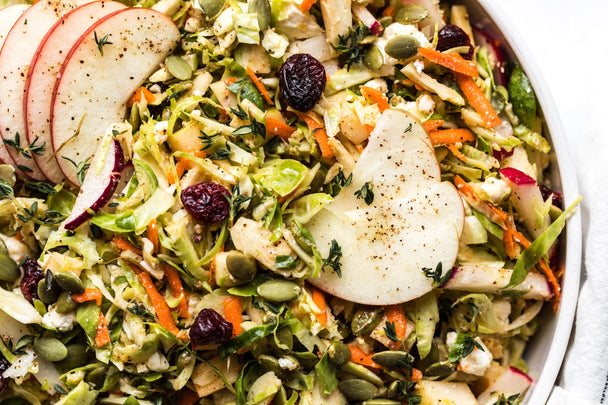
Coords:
pixel 19 47
pixel 414 221
pixel 8 17
pixel 103 69
pixel 99 184
pixel 42 77
pixel 512 381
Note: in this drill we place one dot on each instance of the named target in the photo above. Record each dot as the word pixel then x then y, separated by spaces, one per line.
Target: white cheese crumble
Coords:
pixel 496 189
pixel 477 362
pixel 62 322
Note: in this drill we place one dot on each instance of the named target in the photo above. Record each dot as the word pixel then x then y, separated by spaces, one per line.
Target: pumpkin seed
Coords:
pixel 50 349
pixel 65 303
pixel 391 359
pixel 3 248
pixel 357 390
pixel 9 271
pixel 411 14
pixel 440 369
pixel 381 401
pixel 362 372
pixel 211 7
pixel 77 356
pixel 278 290
pixel 69 282
pixel 48 291
pixel 373 59
pixel 262 9
pixel 339 353
pixel 365 320
pixel 385 21
pixel 241 266
pixel 271 363
pixel 402 47
pixel 97 376
pixel 283 342
pixel 179 68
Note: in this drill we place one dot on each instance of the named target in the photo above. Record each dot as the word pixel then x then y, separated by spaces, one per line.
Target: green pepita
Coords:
pixel 373 59
pixel 48 292
pixel 282 343
pixel 381 401
pixel 262 9
pixel 411 14
pixel 278 290
pixel 241 266
pixel 211 7
pixel 50 349
pixel 69 282
pixel 440 369
pixel 9 271
pixel 385 21
pixel 178 67
pixel 362 372
pixel 3 248
pixel 271 363
pixel 97 376
pixel 357 390
pixel 402 47
pixel 339 353
pixel 77 356
pixel 365 320
pixel 391 359
pixel 65 303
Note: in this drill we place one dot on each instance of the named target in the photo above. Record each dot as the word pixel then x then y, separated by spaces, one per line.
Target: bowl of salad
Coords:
pixel 279 202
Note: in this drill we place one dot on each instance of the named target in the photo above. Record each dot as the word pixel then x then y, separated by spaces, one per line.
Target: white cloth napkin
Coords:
pixel 569 42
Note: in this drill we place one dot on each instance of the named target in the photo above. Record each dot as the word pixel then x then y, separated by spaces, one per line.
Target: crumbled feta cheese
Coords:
pixel 62 322
pixel 22 365
pixel 477 362
pixel 157 362
pixel 16 250
pixel 419 65
pixel 192 24
pixel 287 364
pixel 161 126
pixel 276 44
pixel 425 104
pixel 495 189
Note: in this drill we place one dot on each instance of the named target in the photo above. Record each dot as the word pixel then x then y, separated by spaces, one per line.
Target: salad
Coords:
pixel 308 202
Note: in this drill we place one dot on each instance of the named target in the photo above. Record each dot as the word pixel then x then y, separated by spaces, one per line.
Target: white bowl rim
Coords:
pixel 565 317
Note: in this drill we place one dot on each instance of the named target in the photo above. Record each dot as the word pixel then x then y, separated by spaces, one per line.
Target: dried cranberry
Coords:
pixel 302 81
pixel 501 154
pixel 207 202
pixel 4 364
pixel 555 196
pixel 210 328
pixel 32 274
pixel 452 36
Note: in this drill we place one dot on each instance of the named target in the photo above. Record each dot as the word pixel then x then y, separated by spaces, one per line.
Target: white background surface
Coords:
pixel 569 41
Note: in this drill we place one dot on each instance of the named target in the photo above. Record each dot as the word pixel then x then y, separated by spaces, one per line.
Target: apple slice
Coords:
pixel 8 17
pixel 527 200
pixel 19 47
pixel 103 69
pixel 42 77
pixel 512 381
pixel 99 184
pixel 414 221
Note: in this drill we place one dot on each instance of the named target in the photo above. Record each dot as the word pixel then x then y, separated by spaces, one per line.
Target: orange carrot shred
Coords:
pixel 478 100
pixel 123 244
pixel 395 315
pixel 163 313
pixel 89 294
pixel 375 96
pixel 230 81
pixel 279 128
pixel 319 133
pixel 416 375
pixel 358 357
pixel 233 309
pixel 177 289
pixel 432 125
pixel 444 136
pixel 496 214
pixel 306 5
pixel 140 94
pixel 259 85
pixel 319 299
pixel 388 12
pixel 102 334
pixel 456 152
pixel 452 61
pixel 152 234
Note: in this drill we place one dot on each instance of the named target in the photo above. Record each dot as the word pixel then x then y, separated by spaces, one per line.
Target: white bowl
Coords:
pixel 546 350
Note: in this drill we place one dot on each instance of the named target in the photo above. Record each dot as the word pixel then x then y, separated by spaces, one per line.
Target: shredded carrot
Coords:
pixel 357 356
pixel 493 212
pixel 140 94
pixel 259 85
pixel 416 375
pixel 233 309
pixel 279 128
pixel 452 61
pixel 456 152
pixel 369 128
pixel 187 397
pixel 507 237
pixel 89 294
pixel 375 96
pixel 444 136
pixel 388 12
pixel 478 100
pixel 394 314
pixel 152 234
pixel 432 125
pixel 319 133
pixel 180 167
pixel 230 81
pixel 319 299
pixel 123 244
pixel 102 334
pixel 163 313
pixel 306 5
pixel 177 289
